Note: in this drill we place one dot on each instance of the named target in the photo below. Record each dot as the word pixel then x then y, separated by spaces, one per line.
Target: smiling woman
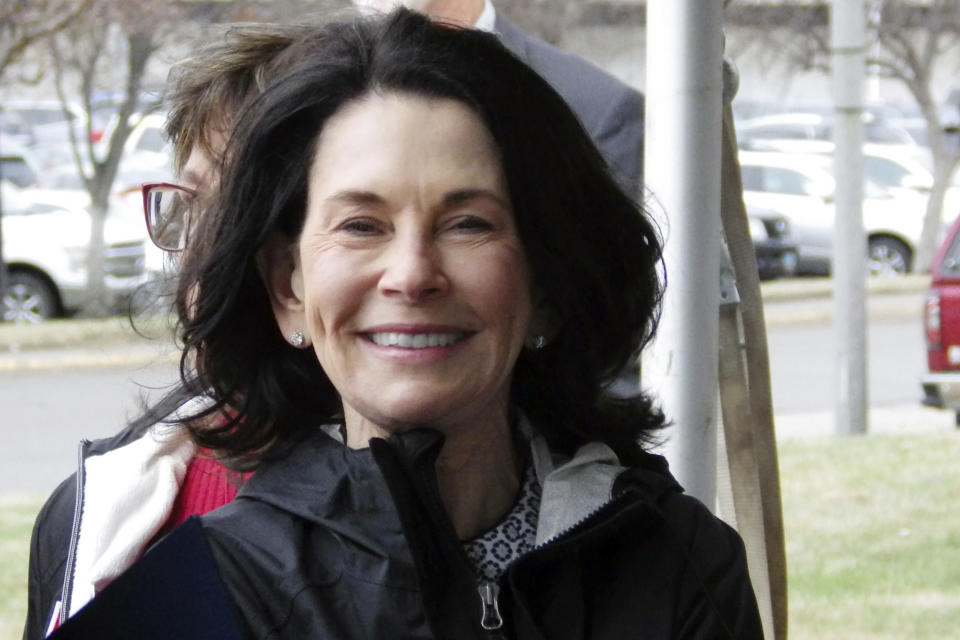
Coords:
pixel 421 280
pixel 415 293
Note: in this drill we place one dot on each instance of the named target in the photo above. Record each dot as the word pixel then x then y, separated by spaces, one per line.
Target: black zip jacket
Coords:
pixel 329 542
pixel 53 536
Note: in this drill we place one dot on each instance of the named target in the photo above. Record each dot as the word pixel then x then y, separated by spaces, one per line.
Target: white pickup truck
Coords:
pixel 45 248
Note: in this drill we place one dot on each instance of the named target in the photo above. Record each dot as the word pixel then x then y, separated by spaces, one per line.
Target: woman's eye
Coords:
pixel 471 223
pixel 360 226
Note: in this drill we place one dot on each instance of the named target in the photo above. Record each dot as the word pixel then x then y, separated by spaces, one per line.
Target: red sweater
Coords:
pixel 208 484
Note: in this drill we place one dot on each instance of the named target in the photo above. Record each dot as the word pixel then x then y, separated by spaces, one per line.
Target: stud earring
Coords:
pixel 538 342
pixel 296 339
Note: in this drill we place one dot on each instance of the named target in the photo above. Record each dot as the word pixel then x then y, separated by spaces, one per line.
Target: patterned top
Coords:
pixel 513 536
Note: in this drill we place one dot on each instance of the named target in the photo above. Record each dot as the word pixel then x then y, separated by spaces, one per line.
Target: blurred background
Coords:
pixel 873 547
pixel 81 119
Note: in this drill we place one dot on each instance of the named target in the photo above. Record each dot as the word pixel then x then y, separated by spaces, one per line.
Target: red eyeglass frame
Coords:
pixel 145 189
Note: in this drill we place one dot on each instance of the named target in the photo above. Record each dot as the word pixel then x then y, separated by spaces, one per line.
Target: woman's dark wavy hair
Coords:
pixel 593 252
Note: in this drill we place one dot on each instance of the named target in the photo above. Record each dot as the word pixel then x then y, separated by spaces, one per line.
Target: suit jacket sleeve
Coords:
pixel 610 110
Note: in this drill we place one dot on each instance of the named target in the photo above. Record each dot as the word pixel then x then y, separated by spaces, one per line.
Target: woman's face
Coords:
pixel 413 280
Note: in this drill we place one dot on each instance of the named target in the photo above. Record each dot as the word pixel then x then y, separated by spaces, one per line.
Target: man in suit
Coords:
pixel 611 111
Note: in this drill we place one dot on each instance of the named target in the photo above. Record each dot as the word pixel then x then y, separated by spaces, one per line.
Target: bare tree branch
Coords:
pixel 22 25
pixel 913 38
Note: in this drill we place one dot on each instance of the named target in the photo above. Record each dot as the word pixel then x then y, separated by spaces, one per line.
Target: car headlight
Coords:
pixel 782 226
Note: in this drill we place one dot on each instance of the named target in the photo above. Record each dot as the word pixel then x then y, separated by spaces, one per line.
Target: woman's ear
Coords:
pixel 278 263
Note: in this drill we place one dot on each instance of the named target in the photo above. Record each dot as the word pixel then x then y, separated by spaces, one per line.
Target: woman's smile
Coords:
pixel 415 344
pixel 416 340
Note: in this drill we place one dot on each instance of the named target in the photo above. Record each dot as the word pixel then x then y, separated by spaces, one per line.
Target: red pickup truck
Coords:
pixel 941 322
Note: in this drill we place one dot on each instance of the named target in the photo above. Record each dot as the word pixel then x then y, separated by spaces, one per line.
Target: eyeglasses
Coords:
pixel 167 210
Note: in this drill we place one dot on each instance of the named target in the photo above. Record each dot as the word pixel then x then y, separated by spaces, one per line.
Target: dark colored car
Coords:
pixel 773 244
pixel 941 322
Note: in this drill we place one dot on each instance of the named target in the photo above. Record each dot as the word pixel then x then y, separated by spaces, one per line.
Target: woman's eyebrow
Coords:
pixel 460 196
pixel 355 198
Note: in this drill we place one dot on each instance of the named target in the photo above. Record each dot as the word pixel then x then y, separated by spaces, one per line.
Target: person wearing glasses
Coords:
pixel 129 490
pixel 416 281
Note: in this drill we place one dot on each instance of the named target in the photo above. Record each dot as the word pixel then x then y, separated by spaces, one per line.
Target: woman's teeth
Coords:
pixel 416 340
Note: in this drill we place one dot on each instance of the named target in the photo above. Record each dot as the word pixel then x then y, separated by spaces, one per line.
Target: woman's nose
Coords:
pixel 413 270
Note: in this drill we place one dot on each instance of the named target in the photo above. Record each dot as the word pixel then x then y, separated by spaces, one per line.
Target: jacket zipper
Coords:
pixel 65 594
pixel 489 591
pixel 489 594
pixel 491 621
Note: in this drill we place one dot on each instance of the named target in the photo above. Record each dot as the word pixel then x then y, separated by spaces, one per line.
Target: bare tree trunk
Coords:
pixel 140 46
pixel 945 159
pixel 943 169
pixel 99 301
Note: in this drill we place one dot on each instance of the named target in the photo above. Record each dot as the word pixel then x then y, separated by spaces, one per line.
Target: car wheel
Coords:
pixel 888 257
pixel 29 298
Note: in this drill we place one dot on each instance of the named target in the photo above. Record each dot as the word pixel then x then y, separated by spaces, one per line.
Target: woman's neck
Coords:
pixel 479 469
pixel 478 476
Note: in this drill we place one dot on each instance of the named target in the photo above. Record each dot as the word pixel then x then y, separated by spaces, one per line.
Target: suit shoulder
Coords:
pixel 572 76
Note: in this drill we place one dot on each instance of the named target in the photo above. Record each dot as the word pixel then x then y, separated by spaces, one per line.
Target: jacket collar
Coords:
pixel 321 480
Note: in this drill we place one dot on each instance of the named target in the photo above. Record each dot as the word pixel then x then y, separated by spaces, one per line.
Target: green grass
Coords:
pixel 16 521
pixel 873 539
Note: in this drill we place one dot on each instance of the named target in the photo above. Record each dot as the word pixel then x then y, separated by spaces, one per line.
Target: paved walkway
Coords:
pixel 899 419
pixel 133 354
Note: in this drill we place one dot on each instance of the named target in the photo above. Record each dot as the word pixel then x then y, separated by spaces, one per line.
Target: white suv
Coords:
pixel 45 248
pixel 800 187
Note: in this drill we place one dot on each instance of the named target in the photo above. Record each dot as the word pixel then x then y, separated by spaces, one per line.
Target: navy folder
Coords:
pixel 173 591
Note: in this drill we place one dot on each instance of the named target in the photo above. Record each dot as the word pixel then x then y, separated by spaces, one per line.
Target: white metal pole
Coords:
pixel 875 17
pixel 682 169
pixel 848 26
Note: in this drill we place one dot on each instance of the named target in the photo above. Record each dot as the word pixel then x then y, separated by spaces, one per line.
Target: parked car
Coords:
pixel 14 129
pixel 49 121
pixel 813 133
pixel 890 168
pixel 773 244
pixel 18 165
pixel 801 187
pixel 147 147
pixel 941 323
pixel 45 250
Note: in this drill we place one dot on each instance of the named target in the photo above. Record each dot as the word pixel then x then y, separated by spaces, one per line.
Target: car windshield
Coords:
pixel 884 134
pixel 885 172
pixel 16 170
pixel 41 116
